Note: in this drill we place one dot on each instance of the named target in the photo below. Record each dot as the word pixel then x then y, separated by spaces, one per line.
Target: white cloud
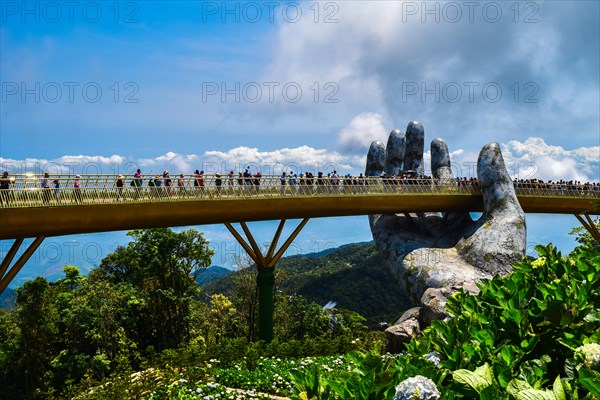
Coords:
pixel 378 51
pixel 361 131
pixel 534 158
pixel 171 161
pixel 531 158
pixel 303 158
pixel 65 164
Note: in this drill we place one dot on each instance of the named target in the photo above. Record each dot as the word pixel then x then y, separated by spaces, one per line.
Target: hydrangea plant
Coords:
pixel 417 388
pixel 589 355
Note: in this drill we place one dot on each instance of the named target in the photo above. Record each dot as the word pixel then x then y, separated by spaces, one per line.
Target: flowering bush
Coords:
pixel 530 334
pixel 417 388
pixel 588 355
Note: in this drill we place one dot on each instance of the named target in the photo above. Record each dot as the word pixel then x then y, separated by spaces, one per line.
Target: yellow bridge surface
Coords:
pixel 28 210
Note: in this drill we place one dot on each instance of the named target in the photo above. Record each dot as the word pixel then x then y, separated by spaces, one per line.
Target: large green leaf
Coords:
pixel 590 380
pixel 533 394
pixel 558 390
pixel 593 316
pixel 477 380
pixel 517 386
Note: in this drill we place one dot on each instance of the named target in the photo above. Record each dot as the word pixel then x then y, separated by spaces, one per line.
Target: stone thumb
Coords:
pixel 496 185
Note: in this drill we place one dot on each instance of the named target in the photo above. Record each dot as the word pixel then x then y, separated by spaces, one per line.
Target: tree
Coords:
pixel 582 235
pixel 223 318
pixel 72 276
pixel 161 265
pixel 93 325
pixel 37 320
pixel 10 347
pixel 297 318
pixel 245 296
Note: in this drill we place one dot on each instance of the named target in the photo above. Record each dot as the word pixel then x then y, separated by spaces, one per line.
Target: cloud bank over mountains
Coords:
pixel 531 158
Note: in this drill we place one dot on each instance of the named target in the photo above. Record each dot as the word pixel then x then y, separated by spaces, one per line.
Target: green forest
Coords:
pixel 140 327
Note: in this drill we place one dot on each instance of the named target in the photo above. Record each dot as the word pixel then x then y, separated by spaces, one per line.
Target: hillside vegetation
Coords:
pixel 136 328
pixel 352 276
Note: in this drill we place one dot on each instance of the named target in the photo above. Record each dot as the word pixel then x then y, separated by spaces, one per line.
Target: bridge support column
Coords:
pixel 266 283
pixel 589 225
pixel 266 268
pixel 7 277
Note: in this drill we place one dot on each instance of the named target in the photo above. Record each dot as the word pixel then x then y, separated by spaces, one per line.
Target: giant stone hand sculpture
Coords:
pixel 446 250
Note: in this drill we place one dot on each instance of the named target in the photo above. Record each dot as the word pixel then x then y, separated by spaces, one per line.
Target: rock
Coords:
pixel 471 288
pixel 434 305
pixel 403 331
pixel 410 313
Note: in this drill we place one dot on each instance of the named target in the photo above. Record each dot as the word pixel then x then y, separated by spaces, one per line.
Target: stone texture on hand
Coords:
pixel 446 250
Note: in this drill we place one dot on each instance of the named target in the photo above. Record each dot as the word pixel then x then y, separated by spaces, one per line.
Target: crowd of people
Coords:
pixel 198 184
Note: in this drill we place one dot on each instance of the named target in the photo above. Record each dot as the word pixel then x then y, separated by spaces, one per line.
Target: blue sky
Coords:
pixel 112 86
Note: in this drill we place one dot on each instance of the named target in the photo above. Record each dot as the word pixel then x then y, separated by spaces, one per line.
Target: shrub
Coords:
pixel 531 334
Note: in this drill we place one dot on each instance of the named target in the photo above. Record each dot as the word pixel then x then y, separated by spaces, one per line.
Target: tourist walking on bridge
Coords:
pixel 120 182
pixel 137 183
pixel 181 186
pixel 77 189
pixel 218 183
pixel 46 188
pixel 168 183
pixel 200 181
pixel 230 182
pixel 156 187
pixel 4 188
pixel 283 183
pixel 56 184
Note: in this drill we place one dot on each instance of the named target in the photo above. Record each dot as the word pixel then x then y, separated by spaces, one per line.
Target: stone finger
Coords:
pixel 413 155
pixel 440 160
pixel 375 159
pixel 394 153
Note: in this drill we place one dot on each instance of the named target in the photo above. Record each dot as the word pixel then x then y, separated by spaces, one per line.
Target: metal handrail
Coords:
pixel 25 190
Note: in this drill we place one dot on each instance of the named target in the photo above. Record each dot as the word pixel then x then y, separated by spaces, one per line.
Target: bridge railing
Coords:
pixel 31 190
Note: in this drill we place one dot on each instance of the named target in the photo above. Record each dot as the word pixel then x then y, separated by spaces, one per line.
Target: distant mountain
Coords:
pixel 326 251
pixel 8 298
pixel 353 275
pixel 211 274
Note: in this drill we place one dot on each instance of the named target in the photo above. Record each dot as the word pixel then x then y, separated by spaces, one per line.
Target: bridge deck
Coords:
pixel 100 206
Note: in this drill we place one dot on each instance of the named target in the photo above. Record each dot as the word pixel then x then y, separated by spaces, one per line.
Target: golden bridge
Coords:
pixel 37 207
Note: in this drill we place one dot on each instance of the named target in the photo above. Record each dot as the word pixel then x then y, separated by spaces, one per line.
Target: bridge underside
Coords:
pixel 57 220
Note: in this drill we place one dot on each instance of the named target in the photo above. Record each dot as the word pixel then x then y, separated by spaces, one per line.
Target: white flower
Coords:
pixel 434 357
pixel 417 388
pixel 590 354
